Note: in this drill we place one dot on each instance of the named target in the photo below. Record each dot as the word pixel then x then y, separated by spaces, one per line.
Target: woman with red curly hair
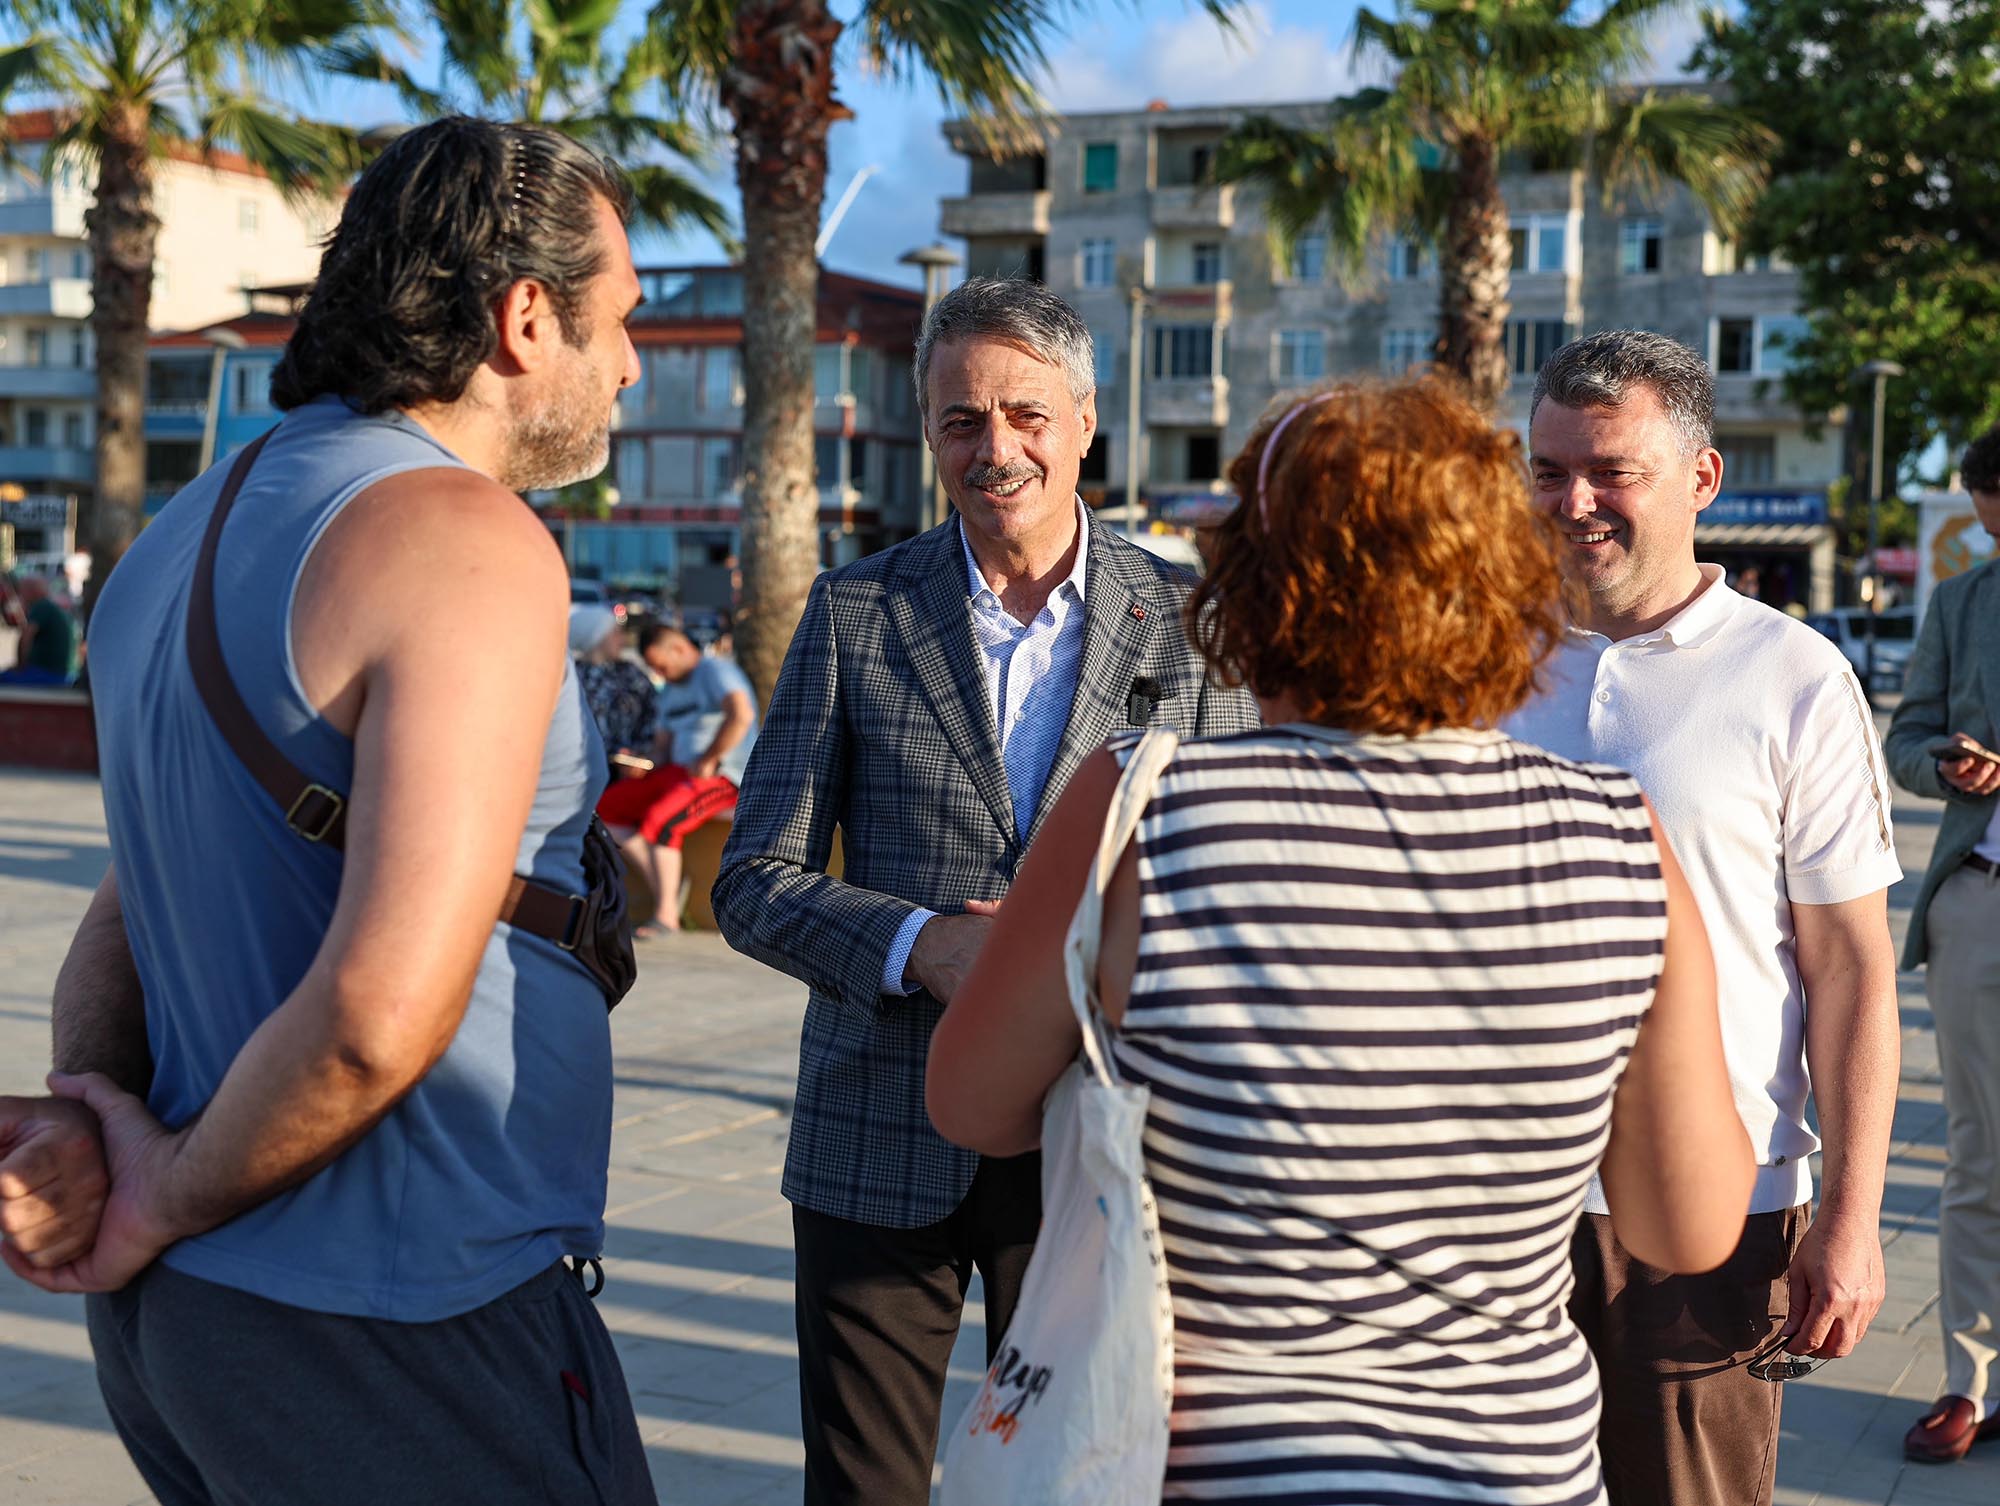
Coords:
pixel 1399 986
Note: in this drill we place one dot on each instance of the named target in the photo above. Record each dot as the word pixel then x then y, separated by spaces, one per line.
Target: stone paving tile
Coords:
pixel 699 1241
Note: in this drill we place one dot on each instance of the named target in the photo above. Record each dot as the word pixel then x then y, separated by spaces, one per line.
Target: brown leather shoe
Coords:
pixel 1944 1434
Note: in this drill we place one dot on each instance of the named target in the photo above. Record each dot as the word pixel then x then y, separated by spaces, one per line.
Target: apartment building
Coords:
pixel 1122 200
pixel 224 227
pixel 676 449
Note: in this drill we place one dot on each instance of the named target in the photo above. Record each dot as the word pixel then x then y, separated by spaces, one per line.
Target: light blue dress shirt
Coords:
pixel 1031 670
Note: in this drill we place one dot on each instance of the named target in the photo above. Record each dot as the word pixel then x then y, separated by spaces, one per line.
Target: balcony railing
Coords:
pixel 988 214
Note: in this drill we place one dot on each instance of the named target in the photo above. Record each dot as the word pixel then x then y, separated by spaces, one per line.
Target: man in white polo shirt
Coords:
pixel 1751 737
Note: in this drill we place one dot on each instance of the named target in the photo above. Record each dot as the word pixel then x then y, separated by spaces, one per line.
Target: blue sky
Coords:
pixel 1116 57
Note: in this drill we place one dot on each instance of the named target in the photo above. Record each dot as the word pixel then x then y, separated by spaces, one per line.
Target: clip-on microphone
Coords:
pixel 1141 699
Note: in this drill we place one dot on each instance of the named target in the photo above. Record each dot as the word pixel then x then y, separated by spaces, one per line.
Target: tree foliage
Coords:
pixel 1885 195
pixel 1475 83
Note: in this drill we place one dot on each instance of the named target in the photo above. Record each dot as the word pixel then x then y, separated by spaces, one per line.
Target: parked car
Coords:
pixel 589 593
pixel 1895 637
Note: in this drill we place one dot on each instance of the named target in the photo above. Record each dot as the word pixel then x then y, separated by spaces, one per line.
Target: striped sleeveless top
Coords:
pixel 1385 988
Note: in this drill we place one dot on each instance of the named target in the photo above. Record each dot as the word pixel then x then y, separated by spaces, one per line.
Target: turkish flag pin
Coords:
pixel 1138 614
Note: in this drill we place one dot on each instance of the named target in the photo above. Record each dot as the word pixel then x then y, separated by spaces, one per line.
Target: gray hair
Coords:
pixel 1602 370
pixel 1019 312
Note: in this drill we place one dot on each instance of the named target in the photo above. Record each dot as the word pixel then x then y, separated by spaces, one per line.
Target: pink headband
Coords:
pixel 1271 448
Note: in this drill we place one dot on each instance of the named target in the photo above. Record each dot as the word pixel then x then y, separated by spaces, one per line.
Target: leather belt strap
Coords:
pixel 1984 865
pixel 312 810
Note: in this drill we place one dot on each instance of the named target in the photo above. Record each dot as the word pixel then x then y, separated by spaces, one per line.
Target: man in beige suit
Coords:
pixel 1955 929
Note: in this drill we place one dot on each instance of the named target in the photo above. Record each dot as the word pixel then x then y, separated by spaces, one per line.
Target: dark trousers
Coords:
pixel 1685 1423
pixel 878 1312
pixel 225 1399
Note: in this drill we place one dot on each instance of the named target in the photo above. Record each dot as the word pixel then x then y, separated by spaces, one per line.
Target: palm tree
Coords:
pixel 136 79
pixel 770 66
pixel 1476 81
pixel 550 62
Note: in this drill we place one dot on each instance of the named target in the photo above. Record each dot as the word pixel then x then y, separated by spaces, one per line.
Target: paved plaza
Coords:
pixel 699 1250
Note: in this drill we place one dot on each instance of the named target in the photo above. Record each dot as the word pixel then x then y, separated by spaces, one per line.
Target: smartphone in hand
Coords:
pixel 1946 750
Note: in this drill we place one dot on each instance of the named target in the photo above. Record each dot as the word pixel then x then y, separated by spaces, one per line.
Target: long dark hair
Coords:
pixel 437 229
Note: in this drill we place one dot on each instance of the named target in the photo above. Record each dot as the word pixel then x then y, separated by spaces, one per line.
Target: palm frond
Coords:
pixel 982 58
pixel 1719 153
pixel 360 58
pixel 687 46
pixel 667 200
pixel 305 159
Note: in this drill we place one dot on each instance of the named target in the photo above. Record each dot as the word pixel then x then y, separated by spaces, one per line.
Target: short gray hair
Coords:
pixel 1019 312
pixel 1602 370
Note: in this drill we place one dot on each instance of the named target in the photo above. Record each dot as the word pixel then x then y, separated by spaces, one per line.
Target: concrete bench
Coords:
pixel 701 861
pixel 47 728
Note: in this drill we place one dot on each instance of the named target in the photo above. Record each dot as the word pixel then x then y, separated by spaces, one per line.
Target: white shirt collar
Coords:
pixel 1690 627
pixel 1072 583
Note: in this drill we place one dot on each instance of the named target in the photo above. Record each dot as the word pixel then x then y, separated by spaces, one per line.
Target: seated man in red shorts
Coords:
pixel 701 741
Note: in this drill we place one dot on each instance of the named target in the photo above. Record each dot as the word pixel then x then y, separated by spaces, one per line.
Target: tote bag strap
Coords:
pixel 1143 768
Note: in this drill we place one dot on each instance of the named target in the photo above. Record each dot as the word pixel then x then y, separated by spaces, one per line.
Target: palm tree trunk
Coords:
pixel 122 230
pixel 1473 276
pixel 780 93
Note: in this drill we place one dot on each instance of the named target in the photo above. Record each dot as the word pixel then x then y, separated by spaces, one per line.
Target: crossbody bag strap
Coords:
pixel 1141 777
pixel 312 810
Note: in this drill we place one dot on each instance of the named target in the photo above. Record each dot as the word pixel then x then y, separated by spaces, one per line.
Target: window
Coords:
pixel 1736 345
pixel 1408 259
pixel 36 426
pixel 1100 166
pixel 628 457
pixel 718 468
pixel 38 347
pixel 79 264
pixel 1096 466
pixel 1208 262
pixel 720 389
pixel 1404 348
pixel 253 387
pixel 1301 355
pixel 1639 243
pixel 1760 345
pixel 826 374
pixel 1776 335
pixel 1530 342
pixel 1098 264
pixel 670 466
pixel 1748 459
pixel 1308 262
pixel 79 347
pixel 35 264
pixel 1204 457
pixel 1201 165
pixel 826 460
pixel 1184 350
pixel 1104 357
pixel 246 216
pixel 73 431
pixel 1540 242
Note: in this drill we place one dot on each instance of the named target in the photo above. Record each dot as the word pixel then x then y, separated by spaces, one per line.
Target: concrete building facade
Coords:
pixel 224 227
pixel 1128 200
pixel 676 447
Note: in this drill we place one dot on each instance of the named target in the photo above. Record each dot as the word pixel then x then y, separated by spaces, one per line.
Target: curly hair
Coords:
pixel 1979 471
pixel 1402 580
pixel 437 229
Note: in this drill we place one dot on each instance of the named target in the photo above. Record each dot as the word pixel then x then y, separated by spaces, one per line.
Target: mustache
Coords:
pixel 983 476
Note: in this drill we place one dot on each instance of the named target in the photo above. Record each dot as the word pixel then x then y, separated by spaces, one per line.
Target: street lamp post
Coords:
pixel 1879 373
pixel 937 260
pixel 224 340
pixel 1135 362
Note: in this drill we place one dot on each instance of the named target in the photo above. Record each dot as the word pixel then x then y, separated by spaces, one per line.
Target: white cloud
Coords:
pixel 1193 60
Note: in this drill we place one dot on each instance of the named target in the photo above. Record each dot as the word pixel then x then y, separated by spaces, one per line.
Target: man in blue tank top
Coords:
pixel 353 1126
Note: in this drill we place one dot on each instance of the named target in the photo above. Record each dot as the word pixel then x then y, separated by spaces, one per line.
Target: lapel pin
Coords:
pixel 1138 614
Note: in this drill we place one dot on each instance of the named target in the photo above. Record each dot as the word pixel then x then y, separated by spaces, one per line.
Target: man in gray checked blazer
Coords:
pixel 933 705
pixel 1949 695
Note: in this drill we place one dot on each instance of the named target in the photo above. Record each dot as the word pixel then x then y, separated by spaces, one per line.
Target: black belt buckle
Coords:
pixel 314 812
pixel 579 910
pixel 1985 865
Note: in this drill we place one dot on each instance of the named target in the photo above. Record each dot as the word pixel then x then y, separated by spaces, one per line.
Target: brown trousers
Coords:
pixel 1685 1423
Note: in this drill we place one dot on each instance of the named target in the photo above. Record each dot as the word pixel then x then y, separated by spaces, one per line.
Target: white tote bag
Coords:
pixel 1074 1410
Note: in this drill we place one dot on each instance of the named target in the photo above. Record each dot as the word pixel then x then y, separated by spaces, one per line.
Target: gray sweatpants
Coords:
pixel 225 1399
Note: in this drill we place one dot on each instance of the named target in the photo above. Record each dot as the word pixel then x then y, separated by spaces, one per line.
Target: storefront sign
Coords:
pixel 37 512
pixel 1765 507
